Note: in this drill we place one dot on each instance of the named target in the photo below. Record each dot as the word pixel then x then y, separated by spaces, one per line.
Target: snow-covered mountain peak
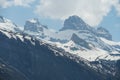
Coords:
pixel 34 20
pixel 4 20
pixel 8 25
pixel 74 23
pixel 34 25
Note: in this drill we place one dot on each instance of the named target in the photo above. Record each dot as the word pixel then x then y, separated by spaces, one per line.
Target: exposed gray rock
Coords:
pixel 79 41
pixel 75 23
pixel 34 25
pixel 1 19
pixel 102 32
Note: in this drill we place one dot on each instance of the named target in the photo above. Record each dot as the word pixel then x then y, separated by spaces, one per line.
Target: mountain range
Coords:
pixel 76 52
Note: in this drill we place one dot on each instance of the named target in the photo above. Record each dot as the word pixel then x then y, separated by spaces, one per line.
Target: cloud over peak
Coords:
pixel 91 11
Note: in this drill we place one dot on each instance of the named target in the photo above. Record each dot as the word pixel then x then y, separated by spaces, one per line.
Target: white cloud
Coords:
pixel 23 2
pixel 5 3
pixel 91 11
pixel 8 3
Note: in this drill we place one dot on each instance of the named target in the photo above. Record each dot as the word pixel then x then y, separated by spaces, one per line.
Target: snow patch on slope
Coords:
pixel 90 55
pixel 110 42
pixel 8 25
pixel 33 20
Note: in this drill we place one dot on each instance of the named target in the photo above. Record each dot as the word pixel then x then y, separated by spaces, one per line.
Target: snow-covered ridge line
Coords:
pixel 100 48
pixel 51 46
pixel 16 35
pixel 91 55
pixel 33 20
pixel 110 42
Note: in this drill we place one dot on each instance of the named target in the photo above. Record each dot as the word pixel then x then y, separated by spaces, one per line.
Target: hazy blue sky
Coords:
pixel 105 13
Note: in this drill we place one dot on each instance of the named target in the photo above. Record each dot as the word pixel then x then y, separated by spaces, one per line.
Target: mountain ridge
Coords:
pixel 30 59
pixel 88 35
pixel 33 51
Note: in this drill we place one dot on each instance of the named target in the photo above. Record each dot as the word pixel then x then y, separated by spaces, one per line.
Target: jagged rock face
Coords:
pixel 33 25
pixel 102 32
pixel 79 41
pixel 74 23
pixel 1 19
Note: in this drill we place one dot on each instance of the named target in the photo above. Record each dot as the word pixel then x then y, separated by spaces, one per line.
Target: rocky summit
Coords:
pixel 33 25
pixel 74 23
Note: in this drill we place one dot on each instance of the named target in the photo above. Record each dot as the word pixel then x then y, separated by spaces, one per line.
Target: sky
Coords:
pixel 52 13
